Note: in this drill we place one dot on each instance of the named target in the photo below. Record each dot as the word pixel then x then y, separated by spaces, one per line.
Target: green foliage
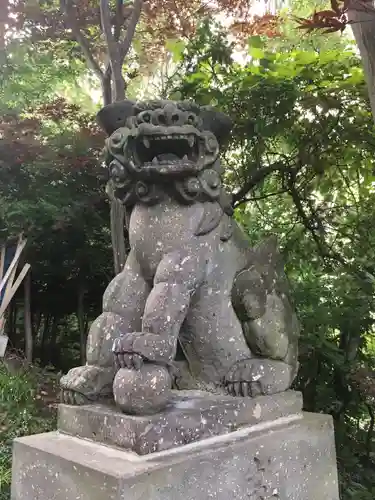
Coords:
pixel 21 414
pixel 32 74
pixel 52 187
pixel 300 165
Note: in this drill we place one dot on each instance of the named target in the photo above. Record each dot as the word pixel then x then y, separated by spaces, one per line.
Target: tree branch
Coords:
pixel 370 430
pixel 257 198
pixel 106 83
pixel 114 52
pixel 71 17
pixel 130 31
pixel 119 19
pixel 105 18
pixel 258 176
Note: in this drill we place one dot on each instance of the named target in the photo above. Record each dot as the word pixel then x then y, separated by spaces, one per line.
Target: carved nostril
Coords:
pixel 144 117
pixel 191 119
pixel 162 119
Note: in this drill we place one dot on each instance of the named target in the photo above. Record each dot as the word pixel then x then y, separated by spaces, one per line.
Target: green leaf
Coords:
pixel 256 53
pixel 306 57
pixel 176 47
pixel 256 42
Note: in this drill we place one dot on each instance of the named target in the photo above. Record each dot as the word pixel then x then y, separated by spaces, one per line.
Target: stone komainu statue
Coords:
pixel 191 277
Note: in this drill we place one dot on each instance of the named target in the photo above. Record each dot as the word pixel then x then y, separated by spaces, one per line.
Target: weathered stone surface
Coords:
pixel 288 459
pixel 190 276
pixel 191 416
pixel 143 391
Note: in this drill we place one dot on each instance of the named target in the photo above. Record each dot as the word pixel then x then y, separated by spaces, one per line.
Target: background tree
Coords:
pixel 301 165
pixel 360 16
pixel 105 32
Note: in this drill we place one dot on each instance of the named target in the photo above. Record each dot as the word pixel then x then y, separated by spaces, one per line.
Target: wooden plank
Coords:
pixel 14 288
pixel 2 325
pixel 13 264
pixel 3 345
pixel 2 260
pixel 3 338
pixel 9 283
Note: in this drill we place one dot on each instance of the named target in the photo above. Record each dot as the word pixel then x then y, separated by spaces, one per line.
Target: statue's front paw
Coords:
pixel 130 350
pixel 124 355
pixel 86 384
pixel 257 376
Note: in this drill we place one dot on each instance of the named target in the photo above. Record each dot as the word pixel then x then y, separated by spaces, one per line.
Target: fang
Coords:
pixel 191 140
pixel 146 142
pixel 155 161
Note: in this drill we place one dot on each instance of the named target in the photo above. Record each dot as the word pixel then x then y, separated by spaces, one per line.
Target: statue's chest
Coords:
pixel 157 230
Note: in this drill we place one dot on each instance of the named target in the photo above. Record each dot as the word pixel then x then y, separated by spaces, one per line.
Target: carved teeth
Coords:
pixel 155 161
pixel 185 158
pixel 189 138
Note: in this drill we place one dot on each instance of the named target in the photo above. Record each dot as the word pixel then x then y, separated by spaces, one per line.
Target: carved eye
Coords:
pixel 141 189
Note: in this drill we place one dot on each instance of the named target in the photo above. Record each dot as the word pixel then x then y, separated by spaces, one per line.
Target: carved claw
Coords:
pixel 132 349
pixel 123 353
pixel 256 376
pixel 73 398
pixel 86 384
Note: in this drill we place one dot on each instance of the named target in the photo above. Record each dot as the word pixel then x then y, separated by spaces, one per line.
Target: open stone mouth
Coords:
pixel 165 149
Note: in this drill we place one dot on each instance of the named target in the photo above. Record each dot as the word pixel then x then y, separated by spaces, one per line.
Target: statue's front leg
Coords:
pixel 178 276
pixel 123 305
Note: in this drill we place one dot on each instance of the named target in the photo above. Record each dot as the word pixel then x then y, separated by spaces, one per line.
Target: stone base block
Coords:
pixel 190 416
pixel 291 458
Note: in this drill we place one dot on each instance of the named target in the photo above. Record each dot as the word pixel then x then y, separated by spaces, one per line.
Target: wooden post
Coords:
pixel 10 285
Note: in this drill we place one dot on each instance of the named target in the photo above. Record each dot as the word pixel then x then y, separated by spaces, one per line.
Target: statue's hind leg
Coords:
pixel 271 329
pixel 123 304
pixel 212 337
pixel 246 357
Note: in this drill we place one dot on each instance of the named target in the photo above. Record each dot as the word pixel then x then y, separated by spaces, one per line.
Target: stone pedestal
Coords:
pixel 243 449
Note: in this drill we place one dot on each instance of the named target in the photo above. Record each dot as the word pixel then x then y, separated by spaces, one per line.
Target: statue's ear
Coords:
pixel 267 252
pixel 268 246
pixel 114 116
pixel 217 122
pixel 211 217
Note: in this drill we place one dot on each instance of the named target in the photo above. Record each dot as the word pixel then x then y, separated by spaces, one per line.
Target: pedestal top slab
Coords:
pixel 190 417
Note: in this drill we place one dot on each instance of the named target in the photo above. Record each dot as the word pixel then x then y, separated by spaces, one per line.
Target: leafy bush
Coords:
pixel 23 411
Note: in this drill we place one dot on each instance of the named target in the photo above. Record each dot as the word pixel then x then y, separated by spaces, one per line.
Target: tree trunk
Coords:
pixel 81 323
pixel 11 322
pixel 117 230
pixel 27 320
pixel 44 335
pixel 117 235
pixel 363 27
pixel 37 317
pixel 106 84
pixel 117 50
pixel 53 355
